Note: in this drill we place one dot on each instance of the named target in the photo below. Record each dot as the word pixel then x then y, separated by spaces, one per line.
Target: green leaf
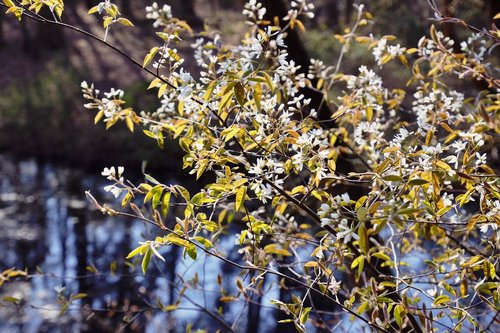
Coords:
pixel 356 261
pixel 409 211
pixel 145 260
pixel 361 213
pixel 11 299
pixel 137 250
pixel 393 178
pixel 274 249
pixel 165 204
pixel 363 307
pixel 443 299
pixel 363 238
pixel 239 93
pixel 191 251
pixel 151 179
pixel 304 315
pixel 489 269
pixel 205 242
pixel 242 236
pixel 382 256
pixel 183 192
pixel 398 311
pixel 158 190
pixel 63 310
pixel 417 182
pixel 174 239
pixel 77 296
pixel 299 328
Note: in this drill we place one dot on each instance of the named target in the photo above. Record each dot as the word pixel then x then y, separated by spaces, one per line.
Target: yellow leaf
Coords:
pixel 150 56
pixel 125 22
pixel 441 300
pixel 442 165
pixel 9 3
pixel 130 124
pixel 230 133
pixel 240 197
pixel 139 250
pixel 93 10
pixel 257 94
pixel 274 249
pixel 98 116
pixel 225 100
pixel 311 264
pixel 363 236
pixel 107 21
pixel 157 81
pixel 162 90
pixel 209 90
pixel 269 81
pixel 300 25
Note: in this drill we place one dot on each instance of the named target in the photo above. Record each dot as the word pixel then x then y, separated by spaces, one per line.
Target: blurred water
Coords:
pixel 47 227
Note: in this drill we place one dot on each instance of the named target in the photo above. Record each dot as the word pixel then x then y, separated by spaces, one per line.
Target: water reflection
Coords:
pixel 47 227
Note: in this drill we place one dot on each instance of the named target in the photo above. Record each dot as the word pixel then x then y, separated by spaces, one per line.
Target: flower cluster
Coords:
pixel 254 11
pixel 299 7
pixel 383 52
pixel 161 16
pixel 115 175
pixel 475 47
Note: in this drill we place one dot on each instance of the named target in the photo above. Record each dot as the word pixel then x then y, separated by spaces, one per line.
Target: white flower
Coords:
pixel 258 168
pixel 59 288
pixel 432 292
pixel 110 173
pixel 346 232
pixel 113 189
pixel 481 159
pixel 345 198
pixel 334 286
pixel 379 50
pixel 484 227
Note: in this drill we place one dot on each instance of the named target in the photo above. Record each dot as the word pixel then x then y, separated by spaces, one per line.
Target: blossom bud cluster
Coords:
pixel 109 107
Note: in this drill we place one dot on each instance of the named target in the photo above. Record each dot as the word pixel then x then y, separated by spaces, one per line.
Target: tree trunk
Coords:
pixel 253 317
pixel 449 28
pixel 2 40
pixel 332 19
pixel 187 7
pixel 298 53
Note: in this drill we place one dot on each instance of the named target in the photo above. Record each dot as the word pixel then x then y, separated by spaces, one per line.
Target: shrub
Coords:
pixel 405 239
